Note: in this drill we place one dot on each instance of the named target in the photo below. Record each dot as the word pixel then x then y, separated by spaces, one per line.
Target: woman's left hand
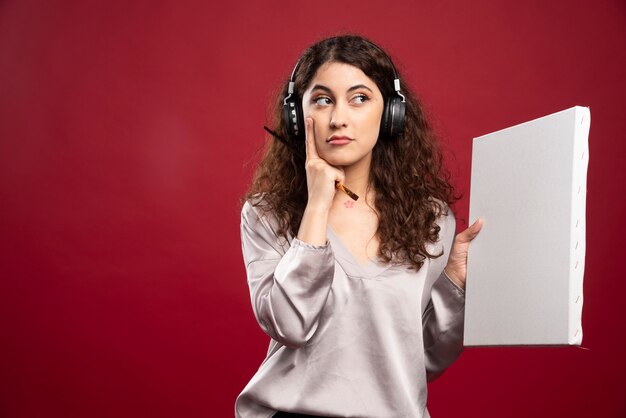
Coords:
pixel 456 269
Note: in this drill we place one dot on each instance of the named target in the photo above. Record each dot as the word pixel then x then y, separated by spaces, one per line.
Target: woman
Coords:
pixel 353 293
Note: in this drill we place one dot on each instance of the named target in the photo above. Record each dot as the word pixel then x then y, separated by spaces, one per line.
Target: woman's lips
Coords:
pixel 339 140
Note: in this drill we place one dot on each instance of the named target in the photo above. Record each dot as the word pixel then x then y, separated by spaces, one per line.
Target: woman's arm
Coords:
pixel 443 322
pixel 443 319
pixel 288 288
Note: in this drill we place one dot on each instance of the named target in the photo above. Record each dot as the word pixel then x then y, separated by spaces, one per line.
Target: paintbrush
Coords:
pixel 340 186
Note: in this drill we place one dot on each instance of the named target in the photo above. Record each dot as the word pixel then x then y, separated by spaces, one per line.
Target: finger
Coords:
pixel 311 148
pixel 341 175
pixel 470 233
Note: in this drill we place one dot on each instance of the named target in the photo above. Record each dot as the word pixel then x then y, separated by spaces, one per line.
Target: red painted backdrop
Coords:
pixel 128 131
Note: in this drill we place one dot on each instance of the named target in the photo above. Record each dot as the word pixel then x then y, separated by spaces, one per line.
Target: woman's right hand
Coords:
pixel 320 176
pixel 320 181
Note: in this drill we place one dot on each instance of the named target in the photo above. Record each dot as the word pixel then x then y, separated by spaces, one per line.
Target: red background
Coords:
pixel 128 131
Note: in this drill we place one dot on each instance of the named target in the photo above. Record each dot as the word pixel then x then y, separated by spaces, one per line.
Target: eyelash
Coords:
pixel 364 97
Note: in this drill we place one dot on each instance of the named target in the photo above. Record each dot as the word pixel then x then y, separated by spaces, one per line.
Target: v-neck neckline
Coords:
pixel 368 270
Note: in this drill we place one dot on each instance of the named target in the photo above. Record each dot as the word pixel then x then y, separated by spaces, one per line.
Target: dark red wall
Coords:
pixel 125 130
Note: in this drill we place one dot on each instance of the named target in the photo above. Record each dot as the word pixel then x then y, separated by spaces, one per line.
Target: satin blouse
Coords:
pixel 347 339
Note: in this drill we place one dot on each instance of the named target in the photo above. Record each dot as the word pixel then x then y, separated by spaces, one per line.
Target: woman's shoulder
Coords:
pixel 257 212
pixel 256 207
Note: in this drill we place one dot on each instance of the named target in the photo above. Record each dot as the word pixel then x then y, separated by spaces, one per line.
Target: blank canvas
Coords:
pixel 525 268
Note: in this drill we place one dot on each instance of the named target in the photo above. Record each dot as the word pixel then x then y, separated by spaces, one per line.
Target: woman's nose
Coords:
pixel 338 117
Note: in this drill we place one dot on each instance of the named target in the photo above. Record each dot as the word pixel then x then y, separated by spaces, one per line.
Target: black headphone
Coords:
pixel 391 124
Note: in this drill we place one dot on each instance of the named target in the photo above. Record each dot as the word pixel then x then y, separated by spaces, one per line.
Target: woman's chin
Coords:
pixel 339 159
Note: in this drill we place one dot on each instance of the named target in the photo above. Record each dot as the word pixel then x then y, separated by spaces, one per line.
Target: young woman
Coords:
pixel 363 299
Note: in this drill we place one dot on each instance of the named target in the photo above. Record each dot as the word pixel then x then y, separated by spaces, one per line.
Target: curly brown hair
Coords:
pixel 412 188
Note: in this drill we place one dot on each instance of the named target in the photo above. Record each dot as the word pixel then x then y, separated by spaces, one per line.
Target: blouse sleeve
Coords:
pixel 443 319
pixel 288 288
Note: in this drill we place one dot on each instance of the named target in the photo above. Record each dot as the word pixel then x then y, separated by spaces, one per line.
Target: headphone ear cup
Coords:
pixel 392 123
pixel 398 118
pixel 293 119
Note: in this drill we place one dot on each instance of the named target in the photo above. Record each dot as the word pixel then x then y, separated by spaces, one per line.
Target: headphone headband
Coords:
pixel 396 79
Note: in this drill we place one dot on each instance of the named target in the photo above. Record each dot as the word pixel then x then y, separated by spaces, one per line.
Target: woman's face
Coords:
pixel 343 102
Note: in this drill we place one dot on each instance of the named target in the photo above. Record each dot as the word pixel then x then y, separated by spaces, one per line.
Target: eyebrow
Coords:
pixel 327 90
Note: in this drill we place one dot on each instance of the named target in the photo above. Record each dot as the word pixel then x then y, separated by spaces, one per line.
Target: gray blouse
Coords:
pixel 347 339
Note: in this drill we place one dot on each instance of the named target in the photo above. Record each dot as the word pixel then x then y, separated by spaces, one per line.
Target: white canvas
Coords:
pixel 525 268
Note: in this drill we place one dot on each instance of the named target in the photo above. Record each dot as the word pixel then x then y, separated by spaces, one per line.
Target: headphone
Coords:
pixel 391 124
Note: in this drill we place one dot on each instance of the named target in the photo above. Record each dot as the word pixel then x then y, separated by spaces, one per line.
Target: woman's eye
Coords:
pixel 322 101
pixel 361 98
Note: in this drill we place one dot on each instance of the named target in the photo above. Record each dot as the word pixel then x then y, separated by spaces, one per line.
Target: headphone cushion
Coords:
pixel 392 123
pixel 293 119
